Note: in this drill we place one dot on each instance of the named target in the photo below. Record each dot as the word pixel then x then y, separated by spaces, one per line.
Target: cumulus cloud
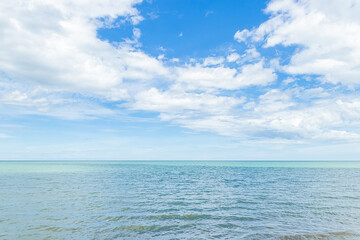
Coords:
pixel 242 36
pixel 326 34
pixel 50 52
pixel 55 43
pixel 176 102
pixel 233 57
pixel 212 61
pixel 278 117
pixel 221 77
pixel 52 48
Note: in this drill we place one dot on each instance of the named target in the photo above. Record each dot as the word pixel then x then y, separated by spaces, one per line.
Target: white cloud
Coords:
pixel 176 102
pixel 50 52
pixel 274 115
pixel 4 136
pixel 52 48
pixel 209 12
pixel 136 33
pixel 273 101
pixel 54 43
pixel 327 31
pixel 212 61
pixel 233 57
pixel 249 55
pixel 220 77
pixel 18 99
pixel 339 135
pixel 242 36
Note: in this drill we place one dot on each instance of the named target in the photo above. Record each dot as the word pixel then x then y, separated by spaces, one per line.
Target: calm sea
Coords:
pixel 179 200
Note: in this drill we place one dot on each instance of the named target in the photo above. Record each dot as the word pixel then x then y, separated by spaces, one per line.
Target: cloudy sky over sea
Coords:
pixel 180 79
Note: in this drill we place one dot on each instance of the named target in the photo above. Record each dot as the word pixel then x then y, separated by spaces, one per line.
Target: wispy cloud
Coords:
pixel 209 12
pixel 4 135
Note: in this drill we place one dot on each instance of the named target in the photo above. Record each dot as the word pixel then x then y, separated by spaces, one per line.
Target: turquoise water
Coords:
pixel 179 200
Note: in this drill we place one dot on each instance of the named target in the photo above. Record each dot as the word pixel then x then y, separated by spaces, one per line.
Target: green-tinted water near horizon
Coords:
pixel 80 165
pixel 179 200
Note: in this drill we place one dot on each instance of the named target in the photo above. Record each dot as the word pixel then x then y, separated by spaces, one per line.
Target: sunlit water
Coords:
pixel 179 200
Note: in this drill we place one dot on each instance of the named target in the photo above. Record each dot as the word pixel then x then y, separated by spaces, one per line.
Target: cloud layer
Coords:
pixel 53 63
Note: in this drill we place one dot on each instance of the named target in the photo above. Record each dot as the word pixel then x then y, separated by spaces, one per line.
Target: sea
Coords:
pixel 179 200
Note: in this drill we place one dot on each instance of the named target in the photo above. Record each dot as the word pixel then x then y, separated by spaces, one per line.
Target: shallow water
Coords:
pixel 179 200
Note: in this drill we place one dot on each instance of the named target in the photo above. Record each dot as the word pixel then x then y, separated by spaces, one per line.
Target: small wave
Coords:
pixel 283 203
pixel 181 217
pixel 238 218
pixel 54 229
pixel 227 225
pixel 179 203
pixel 320 236
pixel 113 218
pixel 126 209
pixel 136 228
pixel 247 202
pixel 152 228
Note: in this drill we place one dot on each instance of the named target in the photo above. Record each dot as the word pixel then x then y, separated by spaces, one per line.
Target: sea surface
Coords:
pixel 179 200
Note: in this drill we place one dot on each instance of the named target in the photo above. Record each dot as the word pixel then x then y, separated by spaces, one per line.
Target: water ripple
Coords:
pixel 117 200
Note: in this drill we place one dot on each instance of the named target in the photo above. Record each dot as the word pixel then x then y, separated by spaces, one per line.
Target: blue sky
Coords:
pixel 206 26
pixel 180 79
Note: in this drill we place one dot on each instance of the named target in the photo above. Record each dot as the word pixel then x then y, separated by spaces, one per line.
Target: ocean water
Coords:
pixel 179 200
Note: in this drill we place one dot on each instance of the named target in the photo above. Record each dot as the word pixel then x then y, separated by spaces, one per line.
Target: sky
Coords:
pixel 179 80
